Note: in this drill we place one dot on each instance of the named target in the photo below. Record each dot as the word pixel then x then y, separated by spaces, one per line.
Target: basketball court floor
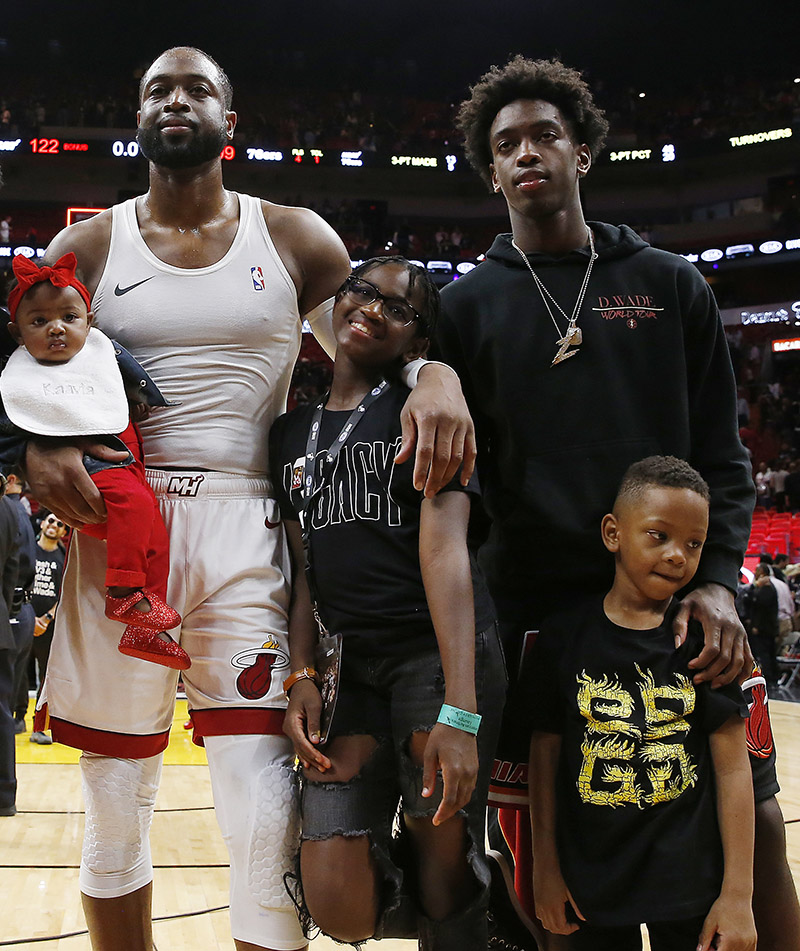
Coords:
pixel 40 847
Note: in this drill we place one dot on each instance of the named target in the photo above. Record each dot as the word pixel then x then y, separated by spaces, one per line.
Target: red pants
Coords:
pixel 135 534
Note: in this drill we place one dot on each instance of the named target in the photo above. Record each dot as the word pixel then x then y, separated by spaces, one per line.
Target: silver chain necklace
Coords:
pixel 572 336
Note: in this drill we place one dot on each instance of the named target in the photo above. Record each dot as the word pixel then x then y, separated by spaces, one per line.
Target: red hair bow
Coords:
pixel 60 274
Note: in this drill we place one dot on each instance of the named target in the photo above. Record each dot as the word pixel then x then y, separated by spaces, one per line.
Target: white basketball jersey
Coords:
pixel 222 340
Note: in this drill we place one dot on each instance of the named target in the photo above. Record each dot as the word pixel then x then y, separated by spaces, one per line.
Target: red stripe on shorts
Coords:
pixel 105 742
pixel 235 721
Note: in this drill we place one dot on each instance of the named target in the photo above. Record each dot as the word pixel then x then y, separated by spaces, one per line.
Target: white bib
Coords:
pixel 83 397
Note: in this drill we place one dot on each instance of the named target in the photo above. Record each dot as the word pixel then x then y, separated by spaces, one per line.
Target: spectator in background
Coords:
pixel 779 563
pixel 742 406
pixel 23 619
pixel 750 439
pixel 8 650
pixel 777 485
pixel 762 622
pixel 5 231
pixel 50 557
pixel 792 486
pixel 763 480
pixel 785 610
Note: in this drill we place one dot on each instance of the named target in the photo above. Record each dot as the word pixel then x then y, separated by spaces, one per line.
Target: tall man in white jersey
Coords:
pixel 207 288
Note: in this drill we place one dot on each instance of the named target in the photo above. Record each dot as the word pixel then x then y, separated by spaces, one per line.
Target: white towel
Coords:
pixel 83 397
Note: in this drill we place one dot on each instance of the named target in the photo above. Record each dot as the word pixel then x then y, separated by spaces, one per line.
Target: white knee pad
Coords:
pixel 120 796
pixel 255 797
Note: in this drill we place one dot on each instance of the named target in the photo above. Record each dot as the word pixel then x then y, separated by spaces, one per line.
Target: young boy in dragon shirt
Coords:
pixel 628 758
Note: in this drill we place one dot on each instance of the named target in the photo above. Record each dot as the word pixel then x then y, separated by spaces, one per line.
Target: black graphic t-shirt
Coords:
pixel 637 831
pixel 47 583
pixel 364 543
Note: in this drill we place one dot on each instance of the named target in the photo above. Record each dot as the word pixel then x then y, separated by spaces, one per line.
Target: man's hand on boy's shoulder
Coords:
pixel 726 652
pixel 437 419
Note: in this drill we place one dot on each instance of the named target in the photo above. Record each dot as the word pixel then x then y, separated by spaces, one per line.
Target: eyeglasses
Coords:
pixel 393 308
pixel 53 521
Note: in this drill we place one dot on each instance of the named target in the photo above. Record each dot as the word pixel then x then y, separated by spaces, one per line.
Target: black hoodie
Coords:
pixel 652 376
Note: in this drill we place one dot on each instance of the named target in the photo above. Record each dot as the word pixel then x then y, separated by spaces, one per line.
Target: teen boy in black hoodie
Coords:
pixel 581 349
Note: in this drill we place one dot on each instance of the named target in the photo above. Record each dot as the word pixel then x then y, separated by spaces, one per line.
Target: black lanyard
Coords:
pixel 310 490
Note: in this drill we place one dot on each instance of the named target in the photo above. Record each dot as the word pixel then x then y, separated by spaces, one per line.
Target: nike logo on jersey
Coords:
pixel 119 291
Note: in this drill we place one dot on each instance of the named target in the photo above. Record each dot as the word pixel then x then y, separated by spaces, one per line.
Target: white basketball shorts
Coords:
pixel 229 580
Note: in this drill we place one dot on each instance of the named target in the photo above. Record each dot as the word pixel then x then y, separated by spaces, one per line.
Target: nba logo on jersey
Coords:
pixel 258 278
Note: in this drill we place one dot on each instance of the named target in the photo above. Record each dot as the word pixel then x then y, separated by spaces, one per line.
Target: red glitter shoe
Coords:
pixel 145 644
pixel 160 617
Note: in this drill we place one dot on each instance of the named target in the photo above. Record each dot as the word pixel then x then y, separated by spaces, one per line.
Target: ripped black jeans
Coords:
pixel 390 699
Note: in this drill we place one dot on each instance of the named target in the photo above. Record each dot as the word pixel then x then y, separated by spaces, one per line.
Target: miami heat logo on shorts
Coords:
pixel 257 665
pixel 759 729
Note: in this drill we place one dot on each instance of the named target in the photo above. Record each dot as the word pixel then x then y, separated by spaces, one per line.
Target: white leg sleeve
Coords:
pixel 255 797
pixel 119 796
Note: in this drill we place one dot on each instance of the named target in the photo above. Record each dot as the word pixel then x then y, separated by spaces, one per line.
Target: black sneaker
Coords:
pixel 510 929
pixel 8 810
pixel 19 725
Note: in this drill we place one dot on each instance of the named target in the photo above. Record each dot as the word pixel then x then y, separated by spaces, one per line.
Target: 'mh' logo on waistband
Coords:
pixel 184 485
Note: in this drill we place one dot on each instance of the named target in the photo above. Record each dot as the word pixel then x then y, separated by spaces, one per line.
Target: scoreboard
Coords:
pixel 446 161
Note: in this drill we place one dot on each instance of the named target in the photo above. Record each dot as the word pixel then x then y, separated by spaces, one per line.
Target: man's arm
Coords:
pixel 731 916
pixel 89 240
pixel 444 561
pixel 436 419
pixel 315 258
pixel 439 393
pixel 54 467
pixel 717 453
pixel 9 551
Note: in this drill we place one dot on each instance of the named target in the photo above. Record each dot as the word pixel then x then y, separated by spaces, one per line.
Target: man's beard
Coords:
pixel 199 148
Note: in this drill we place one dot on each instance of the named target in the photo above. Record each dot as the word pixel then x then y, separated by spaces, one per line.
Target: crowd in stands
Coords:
pixel 299 115
pixel 768 602
pixel 769 421
pixel 367 233
pixel 769 413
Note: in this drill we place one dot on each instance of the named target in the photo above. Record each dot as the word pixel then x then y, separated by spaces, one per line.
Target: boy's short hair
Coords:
pixel 429 315
pixel 546 79
pixel 667 472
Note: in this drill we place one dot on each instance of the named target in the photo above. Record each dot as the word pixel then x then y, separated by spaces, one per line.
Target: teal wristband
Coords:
pixel 460 719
